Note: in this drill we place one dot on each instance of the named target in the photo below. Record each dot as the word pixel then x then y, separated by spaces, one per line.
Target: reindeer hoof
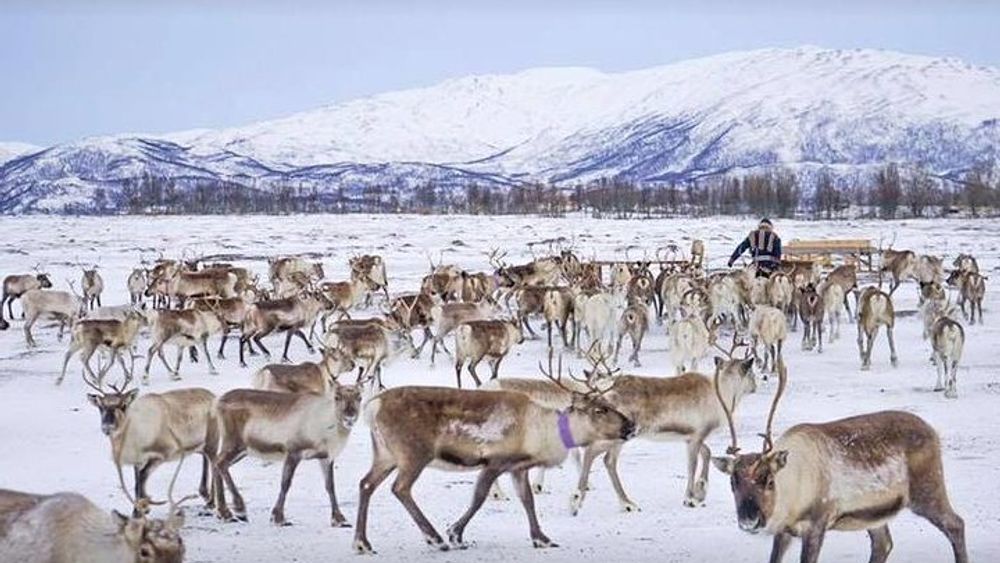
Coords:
pixel 938 388
pixel 455 539
pixel 338 521
pixel 575 503
pixel 362 547
pixel 242 517
pixel 630 507
pixel 537 489
pixel 894 362
pixel 951 394
pixel 436 541
pixel 499 495
pixel 542 542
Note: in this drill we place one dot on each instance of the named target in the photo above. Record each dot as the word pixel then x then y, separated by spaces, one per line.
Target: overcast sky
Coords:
pixel 116 66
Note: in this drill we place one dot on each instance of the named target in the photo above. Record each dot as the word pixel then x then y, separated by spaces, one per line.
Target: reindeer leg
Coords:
pixel 259 339
pixel 611 465
pixel 208 357
pixel 380 469
pixel 487 478
pixel 523 487
pixel 495 367
pixel 175 372
pixel 691 495
pixel 222 343
pixel 893 358
pixel 402 488
pixel 458 371
pixel 779 546
pixel 337 519
pixel 590 453
pixel 223 462
pixel 939 369
pixel 812 543
pixel 881 541
pixel 288 341
pixel 73 347
pixel 141 476
pixel 307 342
pixel 472 371
pixel 278 512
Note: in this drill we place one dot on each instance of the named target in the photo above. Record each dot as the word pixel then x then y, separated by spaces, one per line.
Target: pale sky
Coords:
pixel 75 69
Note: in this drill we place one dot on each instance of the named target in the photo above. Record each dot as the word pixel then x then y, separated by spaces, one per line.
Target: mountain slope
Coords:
pixel 797 108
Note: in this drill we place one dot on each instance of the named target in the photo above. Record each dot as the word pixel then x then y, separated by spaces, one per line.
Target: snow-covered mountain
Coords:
pixel 797 108
pixel 10 151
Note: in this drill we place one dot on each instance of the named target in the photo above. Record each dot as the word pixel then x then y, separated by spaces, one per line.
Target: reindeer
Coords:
pixel 834 300
pixel 689 340
pixel 284 267
pixel 50 304
pixel 850 474
pixel 780 292
pixel 344 296
pixel 290 315
pixel 530 301
pixel 492 339
pixel 929 269
pixel 729 296
pixel 88 335
pixel 370 269
pixel 768 327
pixel 446 317
pixel 846 278
pixel 966 263
pixel 901 264
pixel 306 377
pixel 292 426
pixel 92 286
pixel 15 286
pixel 971 290
pixel 931 291
pixel 947 340
pixel 445 281
pixel 185 328
pixel 69 528
pixel 183 285
pixel 633 321
pixel 697 255
pixel 232 312
pixel 370 345
pixel 557 308
pixel 411 312
pixel 477 287
pixel 136 284
pixel 640 287
pixel 811 310
pixel 620 275
pixel 146 431
pixel 542 271
pixel 495 431
pixel 597 315
pixel 875 309
pixel 684 408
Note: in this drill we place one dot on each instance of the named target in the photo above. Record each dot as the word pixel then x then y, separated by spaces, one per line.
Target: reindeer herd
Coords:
pixel 851 474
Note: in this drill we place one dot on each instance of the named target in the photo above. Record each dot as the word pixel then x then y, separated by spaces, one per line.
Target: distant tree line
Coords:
pixel 890 192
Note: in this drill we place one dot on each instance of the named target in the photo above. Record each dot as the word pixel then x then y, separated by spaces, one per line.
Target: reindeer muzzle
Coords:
pixel 629 430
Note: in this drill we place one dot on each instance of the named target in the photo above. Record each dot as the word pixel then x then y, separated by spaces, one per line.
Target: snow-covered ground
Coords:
pixel 50 437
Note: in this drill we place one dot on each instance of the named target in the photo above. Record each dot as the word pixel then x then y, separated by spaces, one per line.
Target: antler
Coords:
pixel 782 382
pixel 737 342
pixel 496 258
pixel 734 447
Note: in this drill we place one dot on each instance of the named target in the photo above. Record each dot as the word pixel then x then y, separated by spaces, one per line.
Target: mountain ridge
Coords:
pixel 805 108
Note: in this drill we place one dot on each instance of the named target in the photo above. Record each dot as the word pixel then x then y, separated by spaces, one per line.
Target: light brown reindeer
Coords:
pixel 149 430
pixel 306 377
pixel 69 528
pixel 446 317
pixel 490 339
pixel 495 432
pixel 185 328
pixel 947 341
pixel 685 408
pixel 971 291
pixel 370 269
pixel 284 267
pixel 558 309
pixel 634 322
pixel 92 286
pixel 875 309
pixel 232 312
pixel 901 265
pixel 850 474
pixel 811 308
pixel 289 426
pixel 413 311
pixel 370 344
pixel 769 328
pixel 291 315
pixel 15 286
pixel 136 284
pixel 846 278
pixel 62 306
pixel 87 336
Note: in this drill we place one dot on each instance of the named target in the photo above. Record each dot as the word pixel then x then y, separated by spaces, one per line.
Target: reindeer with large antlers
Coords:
pixel 496 432
pixel 850 474
pixel 146 431
pixel 682 408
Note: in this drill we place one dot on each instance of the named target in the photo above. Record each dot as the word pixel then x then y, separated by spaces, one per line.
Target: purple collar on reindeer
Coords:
pixel 564 432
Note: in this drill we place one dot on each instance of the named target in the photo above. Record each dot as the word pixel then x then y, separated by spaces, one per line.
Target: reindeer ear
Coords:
pixel 130 528
pixel 778 460
pixel 94 399
pixel 130 396
pixel 718 362
pixel 176 520
pixel 724 464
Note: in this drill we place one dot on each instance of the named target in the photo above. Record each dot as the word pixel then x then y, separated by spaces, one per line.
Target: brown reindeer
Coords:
pixel 971 291
pixel 306 377
pixel 115 335
pixel 291 315
pixel 495 432
pixel 92 286
pixel 901 265
pixel 811 310
pixel 15 286
pixel 493 340
pixel 850 474
pixel 634 321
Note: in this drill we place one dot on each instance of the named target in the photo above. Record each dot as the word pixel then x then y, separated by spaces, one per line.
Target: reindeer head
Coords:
pixel 44 281
pixel 153 540
pixel 752 476
pixel 348 401
pixel 112 407
pixel 515 331
pixel 336 362
pixel 591 417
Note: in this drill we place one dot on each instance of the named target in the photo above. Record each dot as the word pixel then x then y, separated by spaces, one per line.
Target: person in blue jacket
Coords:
pixel 765 248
